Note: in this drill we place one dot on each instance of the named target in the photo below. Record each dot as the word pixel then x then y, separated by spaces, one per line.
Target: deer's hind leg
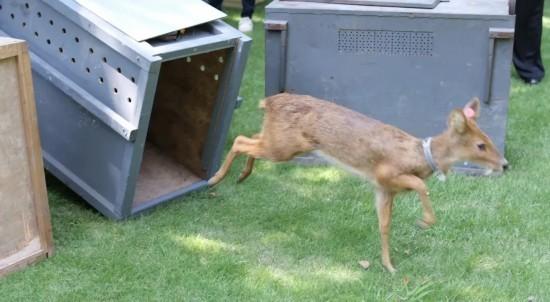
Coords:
pixel 249 163
pixel 265 146
pixel 247 169
pixel 241 145
pixel 384 205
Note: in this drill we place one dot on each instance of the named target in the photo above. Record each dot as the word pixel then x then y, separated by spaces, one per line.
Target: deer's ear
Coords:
pixel 457 121
pixel 471 110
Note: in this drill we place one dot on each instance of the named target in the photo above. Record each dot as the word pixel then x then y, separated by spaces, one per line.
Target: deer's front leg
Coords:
pixel 411 182
pixel 384 204
pixel 428 216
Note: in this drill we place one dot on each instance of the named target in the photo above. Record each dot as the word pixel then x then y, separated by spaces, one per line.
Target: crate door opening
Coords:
pixel 181 117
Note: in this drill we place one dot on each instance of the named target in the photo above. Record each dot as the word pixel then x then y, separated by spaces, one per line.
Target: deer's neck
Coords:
pixel 442 152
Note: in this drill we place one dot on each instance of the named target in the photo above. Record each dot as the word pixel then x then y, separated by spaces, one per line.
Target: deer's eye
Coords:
pixel 481 147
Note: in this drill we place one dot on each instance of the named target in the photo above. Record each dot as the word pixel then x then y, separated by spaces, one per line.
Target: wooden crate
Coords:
pixel 25 229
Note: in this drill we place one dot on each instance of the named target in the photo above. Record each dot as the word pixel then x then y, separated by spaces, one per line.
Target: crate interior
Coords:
pixel 186 95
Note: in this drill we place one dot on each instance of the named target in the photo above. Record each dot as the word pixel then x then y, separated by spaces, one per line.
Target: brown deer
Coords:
pixel 391 159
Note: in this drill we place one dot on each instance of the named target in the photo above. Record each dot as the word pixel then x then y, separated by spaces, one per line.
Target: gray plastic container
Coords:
pixel 405 66
pixel 127 124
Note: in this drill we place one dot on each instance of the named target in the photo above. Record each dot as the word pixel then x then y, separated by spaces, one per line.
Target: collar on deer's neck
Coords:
pixel 427 148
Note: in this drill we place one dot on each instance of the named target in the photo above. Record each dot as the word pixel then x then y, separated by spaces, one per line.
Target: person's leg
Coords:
pixel 216 3
pixel 248 8
pixel 527 41
pixel 245 24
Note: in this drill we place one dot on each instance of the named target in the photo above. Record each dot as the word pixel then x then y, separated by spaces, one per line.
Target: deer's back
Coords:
pixel 305 123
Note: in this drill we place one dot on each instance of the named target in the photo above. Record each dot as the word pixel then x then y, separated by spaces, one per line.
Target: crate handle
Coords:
pixel 494 35
pixel 277 69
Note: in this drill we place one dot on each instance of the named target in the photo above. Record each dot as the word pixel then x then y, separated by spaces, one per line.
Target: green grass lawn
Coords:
pixel 294 233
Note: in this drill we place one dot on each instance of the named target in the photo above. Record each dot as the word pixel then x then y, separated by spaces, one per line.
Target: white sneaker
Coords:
pixel 245 25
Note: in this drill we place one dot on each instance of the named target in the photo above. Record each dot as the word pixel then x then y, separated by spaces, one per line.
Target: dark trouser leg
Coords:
pixel 248 8
pixel 216 3
pixel 527 56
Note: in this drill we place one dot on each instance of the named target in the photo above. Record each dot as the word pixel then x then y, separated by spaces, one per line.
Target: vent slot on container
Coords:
pixel 386 42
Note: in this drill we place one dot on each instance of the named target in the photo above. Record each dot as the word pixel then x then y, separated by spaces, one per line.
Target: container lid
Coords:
pixel 146 19
pixel 391 3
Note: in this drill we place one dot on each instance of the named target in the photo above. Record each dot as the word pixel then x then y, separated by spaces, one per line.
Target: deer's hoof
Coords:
pixel 423 224
pixel 390 268
pixel 242 177
pixel 213 181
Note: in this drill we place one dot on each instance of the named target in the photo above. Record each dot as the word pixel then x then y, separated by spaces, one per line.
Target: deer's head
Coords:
pixel 469 143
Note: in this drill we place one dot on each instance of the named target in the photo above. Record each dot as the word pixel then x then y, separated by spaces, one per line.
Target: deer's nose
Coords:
pixel 505 165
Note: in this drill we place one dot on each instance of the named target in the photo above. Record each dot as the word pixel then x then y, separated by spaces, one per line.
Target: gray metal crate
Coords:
pixel 405 66
pixel 127 124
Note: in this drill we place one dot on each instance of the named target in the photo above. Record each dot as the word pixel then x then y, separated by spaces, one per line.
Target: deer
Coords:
pixel 392 160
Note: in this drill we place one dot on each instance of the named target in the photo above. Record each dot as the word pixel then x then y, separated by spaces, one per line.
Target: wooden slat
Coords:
pixel 25 223
pixel 34 149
